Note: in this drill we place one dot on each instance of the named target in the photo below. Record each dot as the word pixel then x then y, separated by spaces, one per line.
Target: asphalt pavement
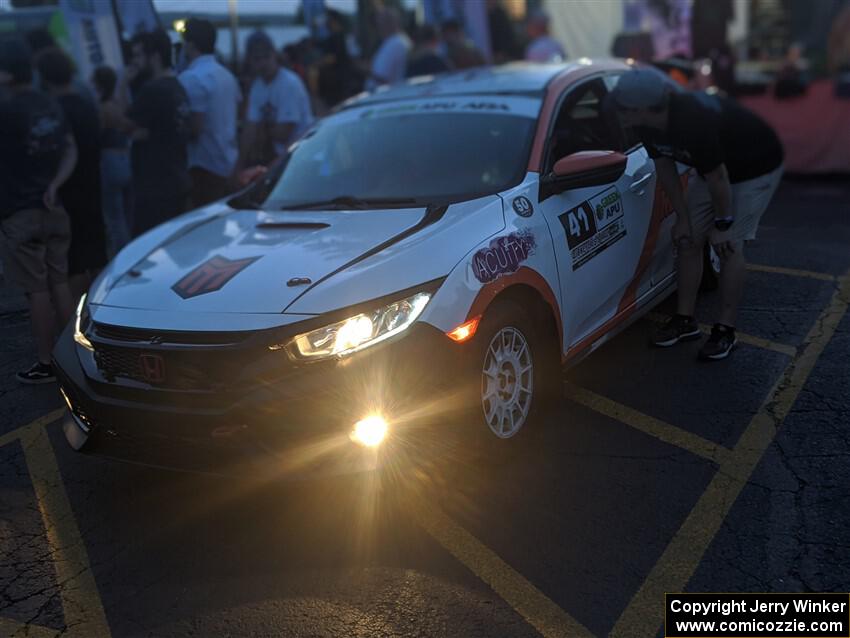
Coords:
pixel 655 473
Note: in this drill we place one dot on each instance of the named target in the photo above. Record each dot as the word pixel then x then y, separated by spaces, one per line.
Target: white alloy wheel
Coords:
pixel 507 382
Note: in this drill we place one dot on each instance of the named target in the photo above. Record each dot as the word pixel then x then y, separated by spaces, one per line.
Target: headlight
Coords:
pixel 81 321
pixel 360 331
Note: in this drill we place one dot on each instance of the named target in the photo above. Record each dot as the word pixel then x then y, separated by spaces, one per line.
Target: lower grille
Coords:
pixel 171 370
pixel 119 362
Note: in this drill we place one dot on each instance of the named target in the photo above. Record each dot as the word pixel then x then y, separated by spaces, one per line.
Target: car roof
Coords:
pixel 519 78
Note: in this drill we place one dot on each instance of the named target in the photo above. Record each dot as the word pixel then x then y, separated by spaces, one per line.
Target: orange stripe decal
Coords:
pixel 662 208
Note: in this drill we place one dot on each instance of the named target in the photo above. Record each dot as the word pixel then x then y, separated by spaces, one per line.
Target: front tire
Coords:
pixel 514 367
pixel 507 382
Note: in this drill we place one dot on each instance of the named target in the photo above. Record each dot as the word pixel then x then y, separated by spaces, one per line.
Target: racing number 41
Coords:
pixel 577 219
pixel 579 224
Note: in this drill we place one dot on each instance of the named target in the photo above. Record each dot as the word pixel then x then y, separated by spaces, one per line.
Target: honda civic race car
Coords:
pixel 449 242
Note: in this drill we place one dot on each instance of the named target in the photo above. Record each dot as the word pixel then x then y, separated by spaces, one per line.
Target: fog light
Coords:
pixel 370 431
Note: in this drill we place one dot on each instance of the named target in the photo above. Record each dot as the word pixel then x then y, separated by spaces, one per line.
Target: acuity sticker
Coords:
pixel 594 225
pixel 503 256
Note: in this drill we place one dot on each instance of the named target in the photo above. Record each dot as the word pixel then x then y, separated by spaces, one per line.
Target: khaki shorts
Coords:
pixel 749 201
pixel 34 248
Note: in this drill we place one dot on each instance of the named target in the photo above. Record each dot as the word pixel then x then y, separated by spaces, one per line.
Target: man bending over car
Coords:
pixel 738 161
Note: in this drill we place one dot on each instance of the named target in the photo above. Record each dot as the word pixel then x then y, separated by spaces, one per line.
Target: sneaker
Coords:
pixel 719 343
pixel 38 373
pixel 677 328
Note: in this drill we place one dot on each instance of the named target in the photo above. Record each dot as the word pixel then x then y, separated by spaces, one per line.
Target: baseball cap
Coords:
pixel 640 89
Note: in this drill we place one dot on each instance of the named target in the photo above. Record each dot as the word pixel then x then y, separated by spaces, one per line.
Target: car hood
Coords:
pixel 245 261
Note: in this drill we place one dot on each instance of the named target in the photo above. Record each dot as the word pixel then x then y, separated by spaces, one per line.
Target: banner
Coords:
pixel 136 16
pixel 92 35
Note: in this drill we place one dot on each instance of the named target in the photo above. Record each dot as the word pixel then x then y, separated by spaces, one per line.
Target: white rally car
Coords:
pixel 454 238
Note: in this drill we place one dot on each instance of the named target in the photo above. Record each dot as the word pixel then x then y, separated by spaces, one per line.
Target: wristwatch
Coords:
pixel 723 223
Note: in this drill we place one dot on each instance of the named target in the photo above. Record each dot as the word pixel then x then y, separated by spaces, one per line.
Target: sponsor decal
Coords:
pixel 593 226
pixel 475 106
pixel 210 276
pixel 502 256
pixel 522 206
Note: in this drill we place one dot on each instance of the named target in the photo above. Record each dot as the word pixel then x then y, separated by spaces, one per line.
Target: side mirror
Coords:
pixel 583 169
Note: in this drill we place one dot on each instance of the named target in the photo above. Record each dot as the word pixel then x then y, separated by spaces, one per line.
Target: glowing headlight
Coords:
pixel 360 331
pixel 79 336
pixel 371 431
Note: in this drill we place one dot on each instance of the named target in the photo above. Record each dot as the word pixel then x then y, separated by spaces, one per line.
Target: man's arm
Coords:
pixel 196 125
pixel 199 98
pixel 66 168
pixel 721 191
pixel 112 117
pixel 721 197
pixel 247 145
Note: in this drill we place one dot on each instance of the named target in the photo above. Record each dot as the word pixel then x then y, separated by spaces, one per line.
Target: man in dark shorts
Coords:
pixel 160 115
pixel 37 155
pixel 79 195
pixel 738 161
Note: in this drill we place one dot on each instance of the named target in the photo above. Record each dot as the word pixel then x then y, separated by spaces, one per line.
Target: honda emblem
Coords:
pixel 153 368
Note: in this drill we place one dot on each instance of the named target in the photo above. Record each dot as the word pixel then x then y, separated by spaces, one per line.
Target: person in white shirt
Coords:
pixel 214 97
pixel 543 47
pixel 390 61
pixel 279 110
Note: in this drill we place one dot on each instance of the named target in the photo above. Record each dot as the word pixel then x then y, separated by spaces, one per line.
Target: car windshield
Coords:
pixel 399 156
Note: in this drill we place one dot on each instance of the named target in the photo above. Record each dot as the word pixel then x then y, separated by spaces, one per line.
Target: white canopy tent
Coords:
pixel 585 28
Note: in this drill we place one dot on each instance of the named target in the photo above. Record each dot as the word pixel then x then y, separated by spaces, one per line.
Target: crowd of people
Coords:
pixel 87 164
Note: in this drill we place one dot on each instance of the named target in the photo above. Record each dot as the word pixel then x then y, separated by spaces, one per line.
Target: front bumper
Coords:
pixel 272 415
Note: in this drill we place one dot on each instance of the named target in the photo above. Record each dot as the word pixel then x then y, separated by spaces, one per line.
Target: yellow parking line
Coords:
pixel 688 441
pixel 645 613
pixel 793 272
pixel 14 629
pixel 40 422
pixel 758 342
pixel 84 614
pixel 532 604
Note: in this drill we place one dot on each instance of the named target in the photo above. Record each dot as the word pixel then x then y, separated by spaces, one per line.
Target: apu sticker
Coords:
pixel 594 225
pixel 210 276
pixel 503 256
pixel 522 207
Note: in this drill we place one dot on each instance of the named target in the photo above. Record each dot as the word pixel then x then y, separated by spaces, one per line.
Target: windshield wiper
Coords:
pixel 349 201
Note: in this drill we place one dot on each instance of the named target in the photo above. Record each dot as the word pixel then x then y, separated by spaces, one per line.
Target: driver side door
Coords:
pixel 598 231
